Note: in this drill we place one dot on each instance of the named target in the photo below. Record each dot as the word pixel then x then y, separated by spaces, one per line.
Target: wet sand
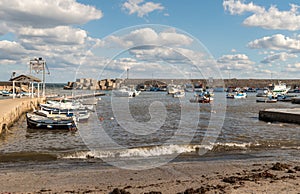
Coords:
pixel 236 176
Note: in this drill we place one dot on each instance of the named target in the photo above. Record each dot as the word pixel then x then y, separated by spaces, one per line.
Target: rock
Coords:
pixel 231 179
pixel 154 192
pixel 290 171
pixel 297 168
pixel 119 191
pixel 280 167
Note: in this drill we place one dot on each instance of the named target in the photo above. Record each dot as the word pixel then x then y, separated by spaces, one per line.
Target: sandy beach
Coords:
pixel 236 176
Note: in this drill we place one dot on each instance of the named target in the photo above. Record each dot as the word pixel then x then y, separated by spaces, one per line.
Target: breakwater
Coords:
pixel 109 84
pixel 12 109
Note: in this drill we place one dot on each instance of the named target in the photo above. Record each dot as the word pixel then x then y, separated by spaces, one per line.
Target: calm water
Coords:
pixel 155 125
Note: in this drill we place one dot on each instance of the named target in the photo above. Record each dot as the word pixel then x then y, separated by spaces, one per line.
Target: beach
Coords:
pixel 237 176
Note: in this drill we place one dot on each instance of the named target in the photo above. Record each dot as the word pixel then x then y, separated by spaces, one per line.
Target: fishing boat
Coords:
pixel 39 121
pixel 280 88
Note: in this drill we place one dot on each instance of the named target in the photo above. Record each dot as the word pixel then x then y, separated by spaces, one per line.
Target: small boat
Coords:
pixel 172 88
pixel 230 95
pixel 6 93
pixel 200 99
pixel 266 100
pixel 38 121
pixel 240 95
pixel 265 92
pixel 126 92
pixel 179 94
pixel 285 97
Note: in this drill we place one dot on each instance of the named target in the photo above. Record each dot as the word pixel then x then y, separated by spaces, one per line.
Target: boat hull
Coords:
pixel 49 124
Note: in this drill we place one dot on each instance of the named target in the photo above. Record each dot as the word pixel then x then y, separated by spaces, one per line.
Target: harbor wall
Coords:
pixel 280 115
pixel 12 109
pixel 109 84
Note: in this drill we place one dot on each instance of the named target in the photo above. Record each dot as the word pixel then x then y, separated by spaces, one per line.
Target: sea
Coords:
pixel 153 129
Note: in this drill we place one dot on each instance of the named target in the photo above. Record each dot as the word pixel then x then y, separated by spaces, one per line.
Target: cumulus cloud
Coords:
pixel 235 62
pixel 273 18
pixel 11 50
pixel 39 13
pixel 141 8
pixel 57 36
pixel 238 7
pixel 292 68
pixel 283 56
pixel 148 36
pixel 153 53
pixel 277 42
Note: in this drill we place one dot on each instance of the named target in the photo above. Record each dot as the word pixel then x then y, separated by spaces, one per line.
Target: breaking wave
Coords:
pixel 156 151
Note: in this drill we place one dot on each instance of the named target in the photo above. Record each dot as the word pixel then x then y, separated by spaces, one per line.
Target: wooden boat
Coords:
pixel 39 121
pixel 266 100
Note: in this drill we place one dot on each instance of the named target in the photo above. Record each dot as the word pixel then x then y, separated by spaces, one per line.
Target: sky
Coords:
pixel 151 39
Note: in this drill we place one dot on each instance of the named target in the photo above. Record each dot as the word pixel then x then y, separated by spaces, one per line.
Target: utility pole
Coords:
pixel 37 65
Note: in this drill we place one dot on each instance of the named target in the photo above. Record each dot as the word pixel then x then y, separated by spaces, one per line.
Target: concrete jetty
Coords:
pixel 78 96
pixel 286 115
pixel 12 109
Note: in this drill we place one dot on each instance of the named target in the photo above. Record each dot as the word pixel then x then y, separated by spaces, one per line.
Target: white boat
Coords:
pixel 179 94
pixel 172 89
pixel 126 92
pixel 240 95
pixel 266 100
pixel 280 89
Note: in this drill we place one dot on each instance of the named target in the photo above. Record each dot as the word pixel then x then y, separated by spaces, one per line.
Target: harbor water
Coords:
pixel 155 128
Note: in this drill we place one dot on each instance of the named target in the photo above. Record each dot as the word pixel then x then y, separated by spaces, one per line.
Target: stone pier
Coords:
pixel 286 115
pixel 12 109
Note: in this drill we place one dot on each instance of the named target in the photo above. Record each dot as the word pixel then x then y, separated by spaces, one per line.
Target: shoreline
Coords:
pixel 230 176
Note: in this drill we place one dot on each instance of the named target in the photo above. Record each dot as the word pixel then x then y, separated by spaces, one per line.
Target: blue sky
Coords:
pixel 163 39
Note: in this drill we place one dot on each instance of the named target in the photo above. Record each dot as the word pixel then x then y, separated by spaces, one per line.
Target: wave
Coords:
pixel 155 151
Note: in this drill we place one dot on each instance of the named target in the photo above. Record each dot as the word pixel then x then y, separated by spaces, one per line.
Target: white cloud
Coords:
pixel 141 8
pixel 148 36
pixel 61 35
pixel 39 13
pixel 292 68
pixel 238 7
pixel 273 18
pixel 277 42
pixel 235 62
pixel 283 56
pixel 11 50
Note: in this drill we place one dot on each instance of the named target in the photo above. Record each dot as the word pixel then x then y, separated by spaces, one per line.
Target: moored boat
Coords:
pixel 266 100
pixel 126 92
pixel 179 94
pixel 38 121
